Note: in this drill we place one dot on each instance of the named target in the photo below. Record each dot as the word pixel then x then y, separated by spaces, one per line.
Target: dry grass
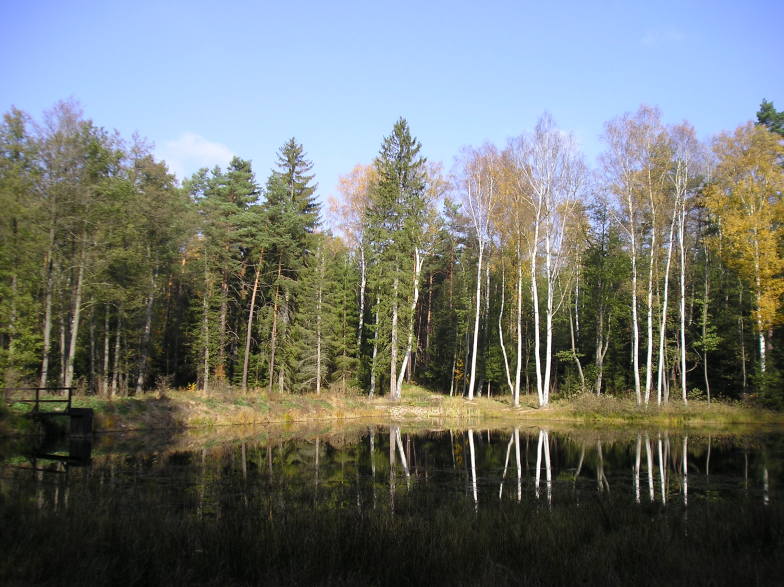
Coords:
pixel 180 409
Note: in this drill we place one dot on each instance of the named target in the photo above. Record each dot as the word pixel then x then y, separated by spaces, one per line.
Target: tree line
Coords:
pixel 659 273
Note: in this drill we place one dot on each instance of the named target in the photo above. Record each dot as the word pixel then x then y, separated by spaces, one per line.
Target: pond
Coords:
pixel 388 504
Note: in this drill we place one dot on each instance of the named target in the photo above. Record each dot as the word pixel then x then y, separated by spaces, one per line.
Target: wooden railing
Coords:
pixel 29 398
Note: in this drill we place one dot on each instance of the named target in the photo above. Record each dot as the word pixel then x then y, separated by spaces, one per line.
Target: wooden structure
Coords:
pixel 80 420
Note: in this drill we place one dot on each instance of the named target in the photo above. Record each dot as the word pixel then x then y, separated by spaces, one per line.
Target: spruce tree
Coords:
pixel 395 217
pixel 293 214
pixel 768 116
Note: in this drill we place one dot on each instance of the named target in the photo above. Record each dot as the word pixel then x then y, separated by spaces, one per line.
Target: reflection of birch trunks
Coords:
pixel 519 468
pixel 661 470
pixel 373 466
pixel 506 465
pixel 685 471
pixel 637 469
pixel 473 465
pixel 392 442
pixel 579 467
pixel 403 461
pixel 649 456
pixel 544 447
pixel 601 478
pixel 514 439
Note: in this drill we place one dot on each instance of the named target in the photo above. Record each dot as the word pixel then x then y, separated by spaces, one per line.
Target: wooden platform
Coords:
pixel 80 420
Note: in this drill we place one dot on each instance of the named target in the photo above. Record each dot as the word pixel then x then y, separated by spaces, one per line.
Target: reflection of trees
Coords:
pixel 337 472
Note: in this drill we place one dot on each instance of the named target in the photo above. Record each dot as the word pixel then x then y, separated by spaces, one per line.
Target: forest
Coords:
pixel 657 274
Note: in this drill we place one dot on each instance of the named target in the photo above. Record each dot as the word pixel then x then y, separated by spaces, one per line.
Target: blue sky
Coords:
pixel 204 80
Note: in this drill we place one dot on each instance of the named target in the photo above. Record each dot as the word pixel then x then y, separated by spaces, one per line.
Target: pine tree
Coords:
pixel 768 116
pixel 224 200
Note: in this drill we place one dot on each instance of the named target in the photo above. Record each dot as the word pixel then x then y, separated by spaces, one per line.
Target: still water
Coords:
pixel 380 467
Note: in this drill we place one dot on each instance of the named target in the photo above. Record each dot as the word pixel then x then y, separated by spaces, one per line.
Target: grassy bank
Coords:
pixel 181 409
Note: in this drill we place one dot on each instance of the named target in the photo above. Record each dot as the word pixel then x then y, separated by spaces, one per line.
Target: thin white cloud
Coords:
pixel 190 152
pixel 660 37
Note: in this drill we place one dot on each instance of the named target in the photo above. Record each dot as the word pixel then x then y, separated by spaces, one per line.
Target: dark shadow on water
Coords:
pixel 383 505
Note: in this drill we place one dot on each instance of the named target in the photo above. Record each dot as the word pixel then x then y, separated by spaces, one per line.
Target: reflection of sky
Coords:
pixel 244 77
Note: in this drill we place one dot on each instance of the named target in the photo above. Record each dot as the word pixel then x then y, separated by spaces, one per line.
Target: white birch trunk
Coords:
pixel 418 260
pixel 548 318
pixel 682 304
pixel 515 398
pixel 635 319
pixel 519 326
pixel 77 310
pixel 476 320
pixel 394 392
pixel 663 316
pixel 649 353
pixel 535 302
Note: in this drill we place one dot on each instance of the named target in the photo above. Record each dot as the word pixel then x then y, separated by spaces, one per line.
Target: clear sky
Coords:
pixel 204 80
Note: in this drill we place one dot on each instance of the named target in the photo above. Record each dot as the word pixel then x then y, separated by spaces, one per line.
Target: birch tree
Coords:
pixel 746 200
pixel 635 166
pixel 479 183
pixel 551 172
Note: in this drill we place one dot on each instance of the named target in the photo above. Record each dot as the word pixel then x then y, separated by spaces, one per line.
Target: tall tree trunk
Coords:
pixel 47 326
pixel 635 319
pixel 274 334
pixel 145 342
pixel 375 351
pixel 742 335
pixel 548 319
pixel 429 316
pixel 63 347
pixel 105 369
pixel 519 327
pixel 663 316
pixel 574 354
pixel 515 397
pixel 362 286
pixel 476 320
pixel 318 323
pixel 649 302
pixel 682 249
pixel 705 308
pixel 394 391
pixel 535 302
pixel 220 367
pixel 116 367
pixel 91 385
pixel 75 317
pixel 206 329
pixel 249 329
pixel 418 260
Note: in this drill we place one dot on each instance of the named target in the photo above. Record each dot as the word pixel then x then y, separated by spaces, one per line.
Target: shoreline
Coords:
pixel 183 410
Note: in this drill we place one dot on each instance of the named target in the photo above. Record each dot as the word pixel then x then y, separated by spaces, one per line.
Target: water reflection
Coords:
pixel 378 467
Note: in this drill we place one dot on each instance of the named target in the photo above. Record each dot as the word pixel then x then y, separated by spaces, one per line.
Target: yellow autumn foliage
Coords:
pixel 746 198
